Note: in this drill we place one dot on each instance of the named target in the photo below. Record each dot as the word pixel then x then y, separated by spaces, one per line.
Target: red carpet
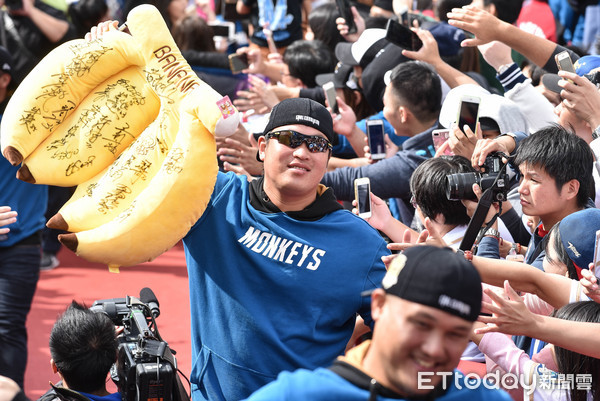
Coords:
pixel 86 282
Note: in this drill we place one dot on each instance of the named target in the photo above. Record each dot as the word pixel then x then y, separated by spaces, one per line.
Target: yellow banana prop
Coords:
pixel 92 137
pixel 167 208
pixel 147 199
pixel 59 83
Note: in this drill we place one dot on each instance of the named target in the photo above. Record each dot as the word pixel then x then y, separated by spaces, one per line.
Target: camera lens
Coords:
pixel 460 186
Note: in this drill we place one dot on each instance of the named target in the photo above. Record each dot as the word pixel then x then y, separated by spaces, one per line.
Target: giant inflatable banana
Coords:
pixel 162 213
pixel 131 209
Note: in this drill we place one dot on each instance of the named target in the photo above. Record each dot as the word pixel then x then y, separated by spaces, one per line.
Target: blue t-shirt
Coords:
pixel 28 200
pixel 324 384
pixel 270 293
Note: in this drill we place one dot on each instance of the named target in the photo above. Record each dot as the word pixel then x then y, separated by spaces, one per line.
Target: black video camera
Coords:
pixel 460 186
pixel 146 368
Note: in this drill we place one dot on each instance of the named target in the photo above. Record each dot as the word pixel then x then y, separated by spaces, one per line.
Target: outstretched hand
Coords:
pixel 429 236
pixel 509 313
pixel 480 23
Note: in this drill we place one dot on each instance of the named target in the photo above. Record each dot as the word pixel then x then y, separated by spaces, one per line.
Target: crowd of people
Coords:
pixel 293 296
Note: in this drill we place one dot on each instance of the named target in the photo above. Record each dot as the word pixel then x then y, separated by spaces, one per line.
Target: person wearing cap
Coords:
pixel 424 313
pixel 412 101
pixel 276 266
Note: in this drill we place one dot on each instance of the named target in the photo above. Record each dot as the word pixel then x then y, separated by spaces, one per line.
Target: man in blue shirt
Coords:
pixel 424 315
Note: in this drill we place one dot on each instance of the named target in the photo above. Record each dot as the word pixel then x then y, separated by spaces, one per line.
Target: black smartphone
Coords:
pixel 343 7
pixel 468 112
pixel 402 36
pixel 238 62
pixel 376 140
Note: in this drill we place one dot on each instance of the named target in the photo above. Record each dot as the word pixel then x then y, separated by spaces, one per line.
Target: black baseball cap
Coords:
pixel 302 111
pixel 435 277
pixel 339 76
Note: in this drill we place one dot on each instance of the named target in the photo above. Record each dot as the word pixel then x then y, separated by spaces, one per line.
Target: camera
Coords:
pixel 460 186
pixel 146 368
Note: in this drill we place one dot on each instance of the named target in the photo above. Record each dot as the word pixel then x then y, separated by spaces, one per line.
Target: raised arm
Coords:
pixel 487 28
pixel 429 53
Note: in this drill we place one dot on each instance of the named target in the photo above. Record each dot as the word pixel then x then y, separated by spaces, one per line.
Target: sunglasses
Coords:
pixel 293 139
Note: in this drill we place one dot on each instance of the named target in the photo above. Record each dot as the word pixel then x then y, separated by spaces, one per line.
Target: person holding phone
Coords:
pixel 412 102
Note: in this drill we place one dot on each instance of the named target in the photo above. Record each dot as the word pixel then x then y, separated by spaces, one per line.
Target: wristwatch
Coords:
pixel 492 232
pixel 596 133
pixel 503 68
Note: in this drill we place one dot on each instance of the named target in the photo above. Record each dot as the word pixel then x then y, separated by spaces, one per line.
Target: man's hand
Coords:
pixel 486 146
pixel 496 54
pixel 429 236
pixel 480 23
pixel 509 313
pixel 7 216
pixel 345 121
pixel 243 155
pixel 581 97
pixel 343 27
pixel 429 52
pixel 390 148
pixel 98 30
pixel 589 282
pixel 463 143
pixel 380 213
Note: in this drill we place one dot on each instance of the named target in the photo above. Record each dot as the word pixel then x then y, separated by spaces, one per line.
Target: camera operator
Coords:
pixel 83 347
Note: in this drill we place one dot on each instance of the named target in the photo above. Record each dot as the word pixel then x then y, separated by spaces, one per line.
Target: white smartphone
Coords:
pixel 468 112
pixel 597 256
pixel 329 89
pixel 563 61
pixel 439 137
pixel 362 194
pixel 375 133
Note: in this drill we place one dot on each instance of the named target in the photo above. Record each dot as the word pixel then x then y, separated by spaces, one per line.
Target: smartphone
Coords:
pixel 343 7
pixel 563 61
pixel 362 194
pixel 439 137
pixel 468 112
pixel 329 89
pixel 597 256
pixel 402 36
pixel 375 133
pixel 238 62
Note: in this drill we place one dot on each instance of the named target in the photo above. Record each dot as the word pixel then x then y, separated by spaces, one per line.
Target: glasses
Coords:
pixel 293 139
pixel 413 201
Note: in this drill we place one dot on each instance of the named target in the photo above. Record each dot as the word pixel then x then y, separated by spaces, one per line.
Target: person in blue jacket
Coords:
pixel 20 249
pixel 424 315
pixel 276 265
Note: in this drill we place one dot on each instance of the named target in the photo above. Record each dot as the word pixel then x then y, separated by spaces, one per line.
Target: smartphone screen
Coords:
pixel 363 197
pixel 439 137
pixel 402 36
pixel 346 13
pixel 468 112
pixel 563 61
pixel 329 89
pixel 238 62
pixel 376 139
